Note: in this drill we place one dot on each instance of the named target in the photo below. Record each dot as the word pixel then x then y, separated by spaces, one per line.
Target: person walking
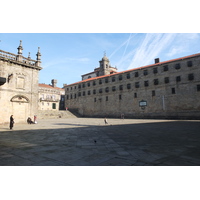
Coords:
pixel 105 120
pixel 11 122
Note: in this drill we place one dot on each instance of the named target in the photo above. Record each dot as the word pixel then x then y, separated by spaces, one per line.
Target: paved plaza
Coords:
pixel 89 142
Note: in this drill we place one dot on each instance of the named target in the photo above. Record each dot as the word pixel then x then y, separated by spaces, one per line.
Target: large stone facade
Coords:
pixel 19 85
pixel 51 97
pixel 169 89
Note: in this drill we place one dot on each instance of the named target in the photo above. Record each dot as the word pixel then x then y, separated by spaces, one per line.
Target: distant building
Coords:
pixel 51 97
pixel 169 89
pixel 104 69
pixel 18 85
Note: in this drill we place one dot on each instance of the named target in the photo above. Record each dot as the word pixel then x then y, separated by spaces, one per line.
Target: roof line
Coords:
pixel 142 67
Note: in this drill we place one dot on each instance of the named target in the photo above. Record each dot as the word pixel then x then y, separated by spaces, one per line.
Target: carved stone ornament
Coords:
pixel 20 99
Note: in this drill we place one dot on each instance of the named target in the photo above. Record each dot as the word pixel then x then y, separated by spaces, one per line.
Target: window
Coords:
pixel 67 97
pixel 128 75
pixel 88 84
pixel 113 88
pixel 71 96
pixel 173 91
pixel 146 83
pixel 128 86
pixel 53 105
pixel 79 86
pixel 155 70
pixel 79 94
pixel 113 79
pixel 198 88
pixel 165 68
pixel 94 83
pixel 135 95
pixel 137 84
pixel 107 89
pixel 166 79
pixel 145 72
pixel 106 98
pixel 121 87
pixel 95 99
pixel 120 97
pixel 94 91
pixel 100 90
pixel 178 78
pixel 136 74
pixel 71 88
pixel 106 80
pixel 120 77
pixel 88 92
pixel 153 93
pixel 83 85
pixel 100 82
pixel 75 87
pixel 190 77
pixel 74 96
pixel 89 77
pixel 177 66
pixel 189 63
pixel 156 81
pixel 83 93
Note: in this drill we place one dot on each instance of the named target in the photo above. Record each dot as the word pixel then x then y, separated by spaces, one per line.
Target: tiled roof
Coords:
pixel 156 64
pixel 49 86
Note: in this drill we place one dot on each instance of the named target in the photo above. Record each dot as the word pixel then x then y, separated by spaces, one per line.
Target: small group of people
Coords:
pixel 29 120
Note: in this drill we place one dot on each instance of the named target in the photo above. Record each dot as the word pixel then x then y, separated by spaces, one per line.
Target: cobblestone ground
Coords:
pixel 89 142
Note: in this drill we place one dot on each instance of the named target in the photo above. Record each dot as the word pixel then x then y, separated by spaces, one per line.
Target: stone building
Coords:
pixel 169 89
pixel 51 97
pixel 18 85
pixel 104 69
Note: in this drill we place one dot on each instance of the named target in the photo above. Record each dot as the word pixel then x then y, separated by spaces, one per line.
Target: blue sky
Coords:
pixel 66 56
pixel 133 34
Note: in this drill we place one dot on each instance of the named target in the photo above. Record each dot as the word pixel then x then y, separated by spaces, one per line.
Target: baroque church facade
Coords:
pixel 169 89
pixel 18 85
pixel 21 95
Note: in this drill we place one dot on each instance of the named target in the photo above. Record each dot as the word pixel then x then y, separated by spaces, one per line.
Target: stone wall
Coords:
pixel 19 95
pixel 170 89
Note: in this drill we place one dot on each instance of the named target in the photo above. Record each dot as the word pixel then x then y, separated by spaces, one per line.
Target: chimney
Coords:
pixel 157 60
pixel 54 82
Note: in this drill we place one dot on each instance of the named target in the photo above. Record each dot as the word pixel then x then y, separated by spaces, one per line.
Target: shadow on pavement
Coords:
pixel 173 143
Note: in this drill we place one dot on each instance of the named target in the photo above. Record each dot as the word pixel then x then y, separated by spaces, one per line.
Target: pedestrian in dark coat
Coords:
pixel 105 120
pixel 11 122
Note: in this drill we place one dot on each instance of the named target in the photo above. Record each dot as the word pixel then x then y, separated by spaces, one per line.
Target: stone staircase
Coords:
pixel 52 114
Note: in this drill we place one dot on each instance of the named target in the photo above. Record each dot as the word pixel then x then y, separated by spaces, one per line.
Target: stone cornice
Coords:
pixel 12 58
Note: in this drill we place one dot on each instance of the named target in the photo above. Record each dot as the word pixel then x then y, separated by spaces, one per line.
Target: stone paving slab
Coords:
pixel 128 142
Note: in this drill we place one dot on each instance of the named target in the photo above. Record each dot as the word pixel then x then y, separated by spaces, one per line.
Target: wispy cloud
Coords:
pixel 122 45
pixel 150 48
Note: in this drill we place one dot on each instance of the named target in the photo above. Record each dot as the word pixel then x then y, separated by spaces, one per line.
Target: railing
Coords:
pixel 8 55
pixel 13 57
pixel 49 99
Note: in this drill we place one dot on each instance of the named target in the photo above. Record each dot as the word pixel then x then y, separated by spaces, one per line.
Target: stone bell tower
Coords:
pixel 104 66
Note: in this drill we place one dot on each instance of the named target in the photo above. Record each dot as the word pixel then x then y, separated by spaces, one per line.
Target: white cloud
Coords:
pixel 174 51
pixel 151 46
